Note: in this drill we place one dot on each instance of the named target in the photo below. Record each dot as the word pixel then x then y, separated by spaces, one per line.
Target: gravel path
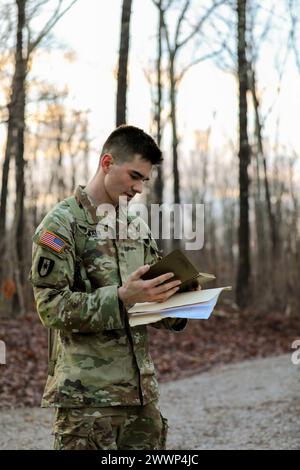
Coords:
pixel 250 405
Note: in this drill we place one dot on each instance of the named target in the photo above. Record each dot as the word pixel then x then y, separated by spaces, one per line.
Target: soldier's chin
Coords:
pixel 125 197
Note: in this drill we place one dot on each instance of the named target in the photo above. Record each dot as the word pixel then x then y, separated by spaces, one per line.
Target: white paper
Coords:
pixel 177 300
pixel 201 311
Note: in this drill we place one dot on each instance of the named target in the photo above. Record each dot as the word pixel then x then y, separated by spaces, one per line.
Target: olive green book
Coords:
pixel 177 263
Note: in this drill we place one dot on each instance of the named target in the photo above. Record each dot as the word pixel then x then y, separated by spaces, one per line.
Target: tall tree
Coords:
pixel 174 46
pixel 16 126
pixel 16 120
pixel 260 155
pixel 244 270
pixel 158 184
pixel 254 47
pixel 123 63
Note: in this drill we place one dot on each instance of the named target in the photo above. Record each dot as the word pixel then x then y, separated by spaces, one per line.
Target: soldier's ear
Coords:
pixel 106 162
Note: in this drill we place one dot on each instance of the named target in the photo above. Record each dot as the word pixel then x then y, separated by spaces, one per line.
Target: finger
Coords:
pixel 160 279
pixel 167 286
pixel 139 272
pixel 168 294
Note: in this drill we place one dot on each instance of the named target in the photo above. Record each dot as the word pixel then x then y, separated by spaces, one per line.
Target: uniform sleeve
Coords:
pixel 152 255
pixel 52 276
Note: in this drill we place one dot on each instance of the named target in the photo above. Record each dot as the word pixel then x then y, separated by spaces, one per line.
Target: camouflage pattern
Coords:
pixel 125 428
pixel 102 361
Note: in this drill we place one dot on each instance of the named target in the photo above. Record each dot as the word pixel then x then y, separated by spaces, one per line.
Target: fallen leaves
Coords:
pixel 9 288
pixel 229 337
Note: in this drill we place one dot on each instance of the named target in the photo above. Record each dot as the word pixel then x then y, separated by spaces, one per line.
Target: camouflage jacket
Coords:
pixel 101 361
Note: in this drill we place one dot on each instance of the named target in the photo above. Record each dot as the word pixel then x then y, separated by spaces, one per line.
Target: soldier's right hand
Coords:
pixel 136 289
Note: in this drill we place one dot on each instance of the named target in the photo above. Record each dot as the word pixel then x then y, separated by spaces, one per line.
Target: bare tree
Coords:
pixel 174 47
pixel 158 185
pixel 123 61
pixel 244 270
pixel 25 46
pixel 64 140
pixel 259 153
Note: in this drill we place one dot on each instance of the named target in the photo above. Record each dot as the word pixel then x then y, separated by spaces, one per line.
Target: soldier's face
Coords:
pixel 127 179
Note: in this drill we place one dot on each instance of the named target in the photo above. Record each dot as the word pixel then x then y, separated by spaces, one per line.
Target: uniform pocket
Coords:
pixel 71 421
pixel 75 431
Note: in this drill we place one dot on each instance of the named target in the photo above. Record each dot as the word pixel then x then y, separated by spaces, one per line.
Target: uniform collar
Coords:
pixel 90 209
pixel 86 203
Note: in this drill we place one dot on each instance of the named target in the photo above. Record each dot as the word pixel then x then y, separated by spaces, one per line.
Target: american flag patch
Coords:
pixel 53 241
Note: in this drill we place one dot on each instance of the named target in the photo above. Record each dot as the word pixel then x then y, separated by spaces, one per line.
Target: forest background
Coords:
pixel 216 82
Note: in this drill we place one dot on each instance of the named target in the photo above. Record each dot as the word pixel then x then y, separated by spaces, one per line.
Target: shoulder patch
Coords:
pixel 52 241
pixel 45 266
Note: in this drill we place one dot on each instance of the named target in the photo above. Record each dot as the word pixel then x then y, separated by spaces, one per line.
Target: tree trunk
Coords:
pixel 259 203
pixel 176 188
pixel 21 67
pixel 158 185
pixel 243 275
pixel 61 190
pixel 5 171
pixel 123 60
pixel 15 128
pixel 18 229
pixel 15 149
pixel 261 156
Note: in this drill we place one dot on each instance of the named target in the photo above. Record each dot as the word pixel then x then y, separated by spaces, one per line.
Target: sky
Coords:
pixel 207 96
pixel 91 29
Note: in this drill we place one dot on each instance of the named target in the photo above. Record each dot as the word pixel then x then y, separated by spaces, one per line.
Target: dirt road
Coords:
pixel 249 405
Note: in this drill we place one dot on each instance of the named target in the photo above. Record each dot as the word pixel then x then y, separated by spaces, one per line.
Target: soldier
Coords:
pixel 101 378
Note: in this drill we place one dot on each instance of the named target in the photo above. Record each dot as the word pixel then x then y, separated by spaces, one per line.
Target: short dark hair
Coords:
pixel 125 141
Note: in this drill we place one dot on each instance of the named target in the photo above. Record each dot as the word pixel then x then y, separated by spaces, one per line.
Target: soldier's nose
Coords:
pixel 138 187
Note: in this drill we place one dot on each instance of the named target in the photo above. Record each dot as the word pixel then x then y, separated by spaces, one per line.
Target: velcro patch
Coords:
pixel 45 266
pixel 52 241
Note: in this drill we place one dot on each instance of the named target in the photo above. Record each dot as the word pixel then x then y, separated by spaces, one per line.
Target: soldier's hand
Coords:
pixel 136 289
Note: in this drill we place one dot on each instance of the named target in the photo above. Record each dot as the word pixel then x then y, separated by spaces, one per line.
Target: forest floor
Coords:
pixel 227 337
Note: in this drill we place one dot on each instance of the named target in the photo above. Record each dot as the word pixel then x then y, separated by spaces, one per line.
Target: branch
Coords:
pixel 180 19
pixel 158 4
pixel 294 21
pixel 37 5
pixel 254 44
pixel 196 61
pixel 28 37
pixel 264 118
pixel 225 42
pixel 49 25
pixel 165 29
pixel 200 23
pixel 266 28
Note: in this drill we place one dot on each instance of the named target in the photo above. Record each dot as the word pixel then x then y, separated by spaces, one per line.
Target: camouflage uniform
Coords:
pixel 126 428
pixel 102 363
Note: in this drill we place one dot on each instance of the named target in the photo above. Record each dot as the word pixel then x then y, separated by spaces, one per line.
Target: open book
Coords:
pixel 176 262
pixel 194 304
pixel 186 303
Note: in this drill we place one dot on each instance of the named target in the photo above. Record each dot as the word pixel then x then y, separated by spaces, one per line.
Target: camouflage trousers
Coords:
pixel 124 428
